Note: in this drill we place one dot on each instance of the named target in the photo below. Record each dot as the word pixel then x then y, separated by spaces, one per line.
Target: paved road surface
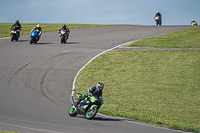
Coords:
pixel 36 80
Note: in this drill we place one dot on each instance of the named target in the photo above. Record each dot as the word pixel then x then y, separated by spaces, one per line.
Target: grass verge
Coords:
pixel 155 86
pixel 181 39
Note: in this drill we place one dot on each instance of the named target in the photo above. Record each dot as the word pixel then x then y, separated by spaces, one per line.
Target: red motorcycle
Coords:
pixel 158 20
pixel 14 34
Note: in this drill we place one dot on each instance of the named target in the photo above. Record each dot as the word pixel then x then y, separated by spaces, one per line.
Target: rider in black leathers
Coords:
pixel 160 16
pixel 96 91
pixel 17 26
pixel 64 27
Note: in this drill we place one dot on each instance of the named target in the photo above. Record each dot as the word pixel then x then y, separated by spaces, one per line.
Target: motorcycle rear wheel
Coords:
pixel 91 112
pixel 72 111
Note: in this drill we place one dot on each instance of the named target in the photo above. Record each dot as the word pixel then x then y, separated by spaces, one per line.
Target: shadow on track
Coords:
pixel 42 43
pixel 72 43
pixel 106 119
pixel 23 40
pixel 109 119
pixel 113 119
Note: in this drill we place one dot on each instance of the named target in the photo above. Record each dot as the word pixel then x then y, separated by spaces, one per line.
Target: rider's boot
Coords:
pixel 76 103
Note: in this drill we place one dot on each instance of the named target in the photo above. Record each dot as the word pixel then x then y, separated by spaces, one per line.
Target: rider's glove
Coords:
pixel 100 101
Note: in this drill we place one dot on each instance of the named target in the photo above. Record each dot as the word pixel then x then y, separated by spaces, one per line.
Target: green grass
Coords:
pixel 180 39
pixel 155 86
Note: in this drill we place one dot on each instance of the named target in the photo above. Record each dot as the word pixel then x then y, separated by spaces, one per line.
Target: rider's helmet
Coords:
pixel 157 11
pixel 192 20
pixel 99 86
pixel 38 26
pixel 63 26
pixel 17 21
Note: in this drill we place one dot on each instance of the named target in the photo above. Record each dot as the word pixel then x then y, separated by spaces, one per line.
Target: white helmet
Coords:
pixel 157 11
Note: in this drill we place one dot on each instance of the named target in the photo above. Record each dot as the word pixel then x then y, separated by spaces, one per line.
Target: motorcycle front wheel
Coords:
pixel 91 112
pixel 12 38
pixel 72 111
pixel 62 39
pixel 31 41
pixel 16 37
pixel 36 39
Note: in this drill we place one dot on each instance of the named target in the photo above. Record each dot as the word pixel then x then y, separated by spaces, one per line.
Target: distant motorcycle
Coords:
pixel 14 34
pixel 158 20
pixel 194 23
pixel 63 36
pixel 34 37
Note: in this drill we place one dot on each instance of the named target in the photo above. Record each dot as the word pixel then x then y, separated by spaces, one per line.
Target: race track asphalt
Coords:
pixel 36 80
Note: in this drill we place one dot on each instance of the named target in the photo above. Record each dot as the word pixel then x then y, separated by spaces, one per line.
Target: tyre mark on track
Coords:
pixel 23 67
pixel 14 73
pixel 42 86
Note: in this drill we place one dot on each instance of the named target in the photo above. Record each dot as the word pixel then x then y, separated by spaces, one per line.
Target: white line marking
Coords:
pixel 48 131
pixel 5 38
pixel 73 87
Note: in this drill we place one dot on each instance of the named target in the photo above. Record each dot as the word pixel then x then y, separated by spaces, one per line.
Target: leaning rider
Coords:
pixel 96 91
pixel 193 22
pixel 39 30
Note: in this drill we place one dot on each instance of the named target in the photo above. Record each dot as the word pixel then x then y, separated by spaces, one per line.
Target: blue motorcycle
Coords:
pixel 34 37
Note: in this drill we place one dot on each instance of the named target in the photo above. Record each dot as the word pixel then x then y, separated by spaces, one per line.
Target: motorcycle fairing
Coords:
pixel 86 102
pixel 34 34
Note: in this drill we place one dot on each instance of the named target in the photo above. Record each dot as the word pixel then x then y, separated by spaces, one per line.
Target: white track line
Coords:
pixel 73 87
pixel 35 129
pixel 5 38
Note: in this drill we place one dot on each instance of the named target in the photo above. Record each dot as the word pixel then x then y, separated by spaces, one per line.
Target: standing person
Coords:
pixel 39 30
pixel 17 26
pixel 96 91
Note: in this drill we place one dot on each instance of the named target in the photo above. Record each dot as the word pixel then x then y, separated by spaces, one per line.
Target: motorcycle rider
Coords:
pixel 65 28
pixel 193 22
pixel 17 26
pixel 96 91
pixel 38 29
pixel 160 16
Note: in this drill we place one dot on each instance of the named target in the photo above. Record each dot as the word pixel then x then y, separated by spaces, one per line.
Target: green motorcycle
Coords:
pixel 88 106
